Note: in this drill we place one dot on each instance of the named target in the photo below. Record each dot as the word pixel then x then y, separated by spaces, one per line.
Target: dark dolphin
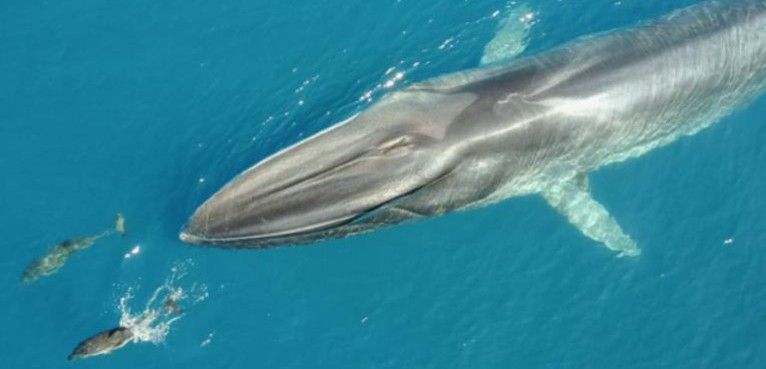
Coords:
pixel 102 343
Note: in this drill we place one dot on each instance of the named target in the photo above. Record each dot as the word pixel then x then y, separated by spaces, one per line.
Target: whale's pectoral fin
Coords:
pixel 573 199
pixel 512 34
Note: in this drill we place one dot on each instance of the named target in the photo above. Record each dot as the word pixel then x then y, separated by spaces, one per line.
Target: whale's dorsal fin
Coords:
pixel 573 199
pixel 512 35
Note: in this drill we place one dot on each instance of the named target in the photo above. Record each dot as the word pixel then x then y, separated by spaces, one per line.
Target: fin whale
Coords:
pixel 535 125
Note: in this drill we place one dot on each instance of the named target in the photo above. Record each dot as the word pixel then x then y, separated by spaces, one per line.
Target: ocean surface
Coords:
pixel 147 108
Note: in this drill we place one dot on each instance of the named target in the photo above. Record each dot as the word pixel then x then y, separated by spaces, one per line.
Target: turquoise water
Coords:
pixel 149 107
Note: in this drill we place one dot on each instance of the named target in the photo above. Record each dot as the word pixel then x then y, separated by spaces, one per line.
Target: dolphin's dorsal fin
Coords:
pixel 573 200
pixel 512 35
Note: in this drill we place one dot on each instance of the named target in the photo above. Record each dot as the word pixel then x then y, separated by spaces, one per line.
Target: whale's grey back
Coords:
pixel 629 91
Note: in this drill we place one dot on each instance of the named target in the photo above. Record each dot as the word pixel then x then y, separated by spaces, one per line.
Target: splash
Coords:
pixel 152 324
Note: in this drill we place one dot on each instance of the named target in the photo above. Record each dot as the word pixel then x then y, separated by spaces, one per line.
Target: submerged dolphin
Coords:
pixel 55 259
pixel 536 125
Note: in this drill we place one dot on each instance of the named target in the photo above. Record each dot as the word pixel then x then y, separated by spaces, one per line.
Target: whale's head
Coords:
pixel 333 183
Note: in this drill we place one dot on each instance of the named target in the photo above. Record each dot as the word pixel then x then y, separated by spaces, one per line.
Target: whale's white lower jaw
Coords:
pixel 291 236
pixel 190 238
pixel 343 228
pixel 260 243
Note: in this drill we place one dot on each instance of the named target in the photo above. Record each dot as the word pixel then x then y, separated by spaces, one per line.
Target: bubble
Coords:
pixel 153 323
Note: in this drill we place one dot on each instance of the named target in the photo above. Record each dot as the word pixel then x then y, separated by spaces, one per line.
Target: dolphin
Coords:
pixel 57 256
pixel 102 343
pixel 535 125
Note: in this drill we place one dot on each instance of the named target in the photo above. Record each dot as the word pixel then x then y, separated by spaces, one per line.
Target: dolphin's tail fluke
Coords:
pixel 119 224
pixel 119 228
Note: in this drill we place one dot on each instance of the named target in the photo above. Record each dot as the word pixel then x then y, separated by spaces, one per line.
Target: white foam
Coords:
pixel 153 323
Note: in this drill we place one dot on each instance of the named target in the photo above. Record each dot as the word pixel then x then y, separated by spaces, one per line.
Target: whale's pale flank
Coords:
pixel 535 125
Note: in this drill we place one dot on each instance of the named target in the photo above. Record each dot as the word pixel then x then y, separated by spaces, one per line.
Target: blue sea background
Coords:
pixel 148 107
